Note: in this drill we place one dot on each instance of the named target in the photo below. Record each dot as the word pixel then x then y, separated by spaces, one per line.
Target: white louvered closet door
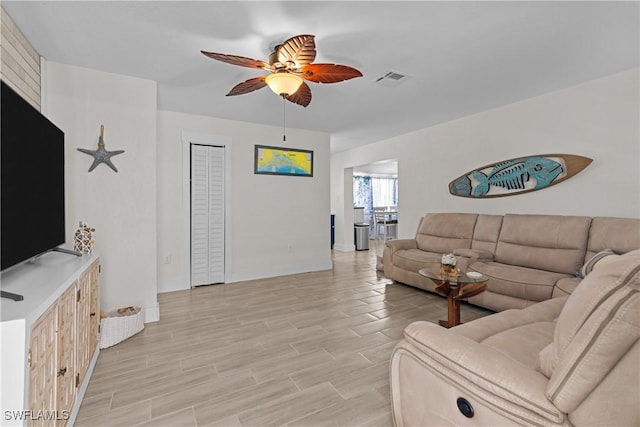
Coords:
pixel 207 214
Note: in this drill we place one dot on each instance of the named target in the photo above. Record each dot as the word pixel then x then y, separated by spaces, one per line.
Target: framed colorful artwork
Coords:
pixel 283 161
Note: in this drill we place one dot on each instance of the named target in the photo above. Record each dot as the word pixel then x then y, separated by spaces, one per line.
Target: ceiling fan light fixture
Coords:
pixel 291 66
pixel 283 83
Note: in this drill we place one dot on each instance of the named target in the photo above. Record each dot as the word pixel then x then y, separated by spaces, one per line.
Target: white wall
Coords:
pixel 120 206
pixel 279 224
pixel 598 119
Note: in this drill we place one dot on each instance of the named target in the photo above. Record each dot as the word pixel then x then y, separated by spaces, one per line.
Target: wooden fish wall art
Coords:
pixel 517 176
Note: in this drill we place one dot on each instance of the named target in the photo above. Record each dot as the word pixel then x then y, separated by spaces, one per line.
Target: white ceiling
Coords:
pixel 462 57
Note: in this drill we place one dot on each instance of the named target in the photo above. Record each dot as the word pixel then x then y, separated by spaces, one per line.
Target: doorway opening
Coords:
pixel 375 200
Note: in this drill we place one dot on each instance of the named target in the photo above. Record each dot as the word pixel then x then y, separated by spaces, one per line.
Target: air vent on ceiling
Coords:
pixel 391 78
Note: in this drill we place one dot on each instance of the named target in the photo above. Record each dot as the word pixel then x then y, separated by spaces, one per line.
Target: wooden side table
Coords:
pixel 455 287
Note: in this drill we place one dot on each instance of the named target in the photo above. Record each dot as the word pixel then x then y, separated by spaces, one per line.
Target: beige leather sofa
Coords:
pixel 528 258
pixel 567 361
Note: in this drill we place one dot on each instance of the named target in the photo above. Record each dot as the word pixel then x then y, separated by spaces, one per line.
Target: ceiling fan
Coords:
pixel 289 64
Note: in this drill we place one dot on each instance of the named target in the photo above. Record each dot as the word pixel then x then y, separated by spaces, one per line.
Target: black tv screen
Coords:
pixel 32 162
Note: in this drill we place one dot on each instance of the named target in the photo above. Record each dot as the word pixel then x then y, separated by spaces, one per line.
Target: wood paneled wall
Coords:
pixel 20 66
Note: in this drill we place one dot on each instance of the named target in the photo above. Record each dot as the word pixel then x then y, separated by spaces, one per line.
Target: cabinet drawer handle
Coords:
pixel 61 372
pixel 92 314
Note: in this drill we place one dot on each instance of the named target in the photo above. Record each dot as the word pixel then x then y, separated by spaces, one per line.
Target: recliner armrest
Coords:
pixel 399 244
pixel 482 370
pixel 485 327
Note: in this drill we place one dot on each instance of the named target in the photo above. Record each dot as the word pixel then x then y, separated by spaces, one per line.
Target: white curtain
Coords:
pixel 385 191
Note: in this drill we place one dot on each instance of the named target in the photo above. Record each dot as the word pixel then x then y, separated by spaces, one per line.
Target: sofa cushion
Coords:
pixel 499 302
pixel 620 234
pixel 565 286
pixel 474 254
pixel 546 242
pixel 518 334
pixel 523 343
pixel 546 360
pixel 485 327
pixel 598 325
pixel 413 259
pixel 486 232
pixel 444 232
pixel 520 282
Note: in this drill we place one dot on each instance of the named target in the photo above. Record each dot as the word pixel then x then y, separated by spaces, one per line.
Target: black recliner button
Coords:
pixel 465 407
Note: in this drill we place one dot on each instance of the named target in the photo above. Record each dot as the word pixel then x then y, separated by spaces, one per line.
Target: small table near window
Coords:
pixel 456 287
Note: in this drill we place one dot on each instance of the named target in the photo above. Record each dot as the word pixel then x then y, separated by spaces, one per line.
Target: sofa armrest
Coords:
pixel 482 370
pixel 399 244
pixel 474 254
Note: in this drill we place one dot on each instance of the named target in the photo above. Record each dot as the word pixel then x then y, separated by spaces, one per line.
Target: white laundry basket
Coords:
pixel 118 325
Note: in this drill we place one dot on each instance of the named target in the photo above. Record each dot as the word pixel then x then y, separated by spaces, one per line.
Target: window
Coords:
pixel 370 191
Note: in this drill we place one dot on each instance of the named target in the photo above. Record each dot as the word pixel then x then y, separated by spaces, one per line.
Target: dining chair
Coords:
pixel 384 222
pixel 393 209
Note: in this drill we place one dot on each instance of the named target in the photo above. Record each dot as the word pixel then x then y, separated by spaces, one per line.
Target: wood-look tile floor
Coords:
pixel 309 349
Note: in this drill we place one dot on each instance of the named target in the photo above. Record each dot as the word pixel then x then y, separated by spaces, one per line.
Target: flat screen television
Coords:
pixel 32 193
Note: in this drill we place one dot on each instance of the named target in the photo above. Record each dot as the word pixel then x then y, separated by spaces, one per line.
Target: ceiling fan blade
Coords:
pixel 238 60
pixel 302 96
pixel 301 50
pixel 247 86
pixel 328 73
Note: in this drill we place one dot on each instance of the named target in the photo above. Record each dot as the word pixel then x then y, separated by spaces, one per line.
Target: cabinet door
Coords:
pixel 87 319
pixel 83 325
pixel 42 368
pixel 94 312
pixel 65 375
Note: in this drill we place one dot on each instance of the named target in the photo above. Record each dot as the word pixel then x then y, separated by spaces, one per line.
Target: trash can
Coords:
pixel 361 236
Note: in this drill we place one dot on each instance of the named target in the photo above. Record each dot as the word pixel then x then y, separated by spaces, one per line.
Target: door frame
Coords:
pixel 225 141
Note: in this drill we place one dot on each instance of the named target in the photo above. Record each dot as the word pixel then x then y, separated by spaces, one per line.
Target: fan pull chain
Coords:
pixel 284 117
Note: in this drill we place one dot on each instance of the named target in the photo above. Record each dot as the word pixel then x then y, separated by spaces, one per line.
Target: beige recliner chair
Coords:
pixel 571 361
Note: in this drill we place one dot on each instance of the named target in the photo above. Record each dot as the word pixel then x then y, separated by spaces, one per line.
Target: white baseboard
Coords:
pixel 275 272
pixel 344 248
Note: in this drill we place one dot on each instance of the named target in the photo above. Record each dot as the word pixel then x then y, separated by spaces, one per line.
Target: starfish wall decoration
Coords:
pixel 101 155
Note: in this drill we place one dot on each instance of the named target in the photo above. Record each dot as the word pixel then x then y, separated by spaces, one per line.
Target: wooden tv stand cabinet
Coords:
pixel 50 339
